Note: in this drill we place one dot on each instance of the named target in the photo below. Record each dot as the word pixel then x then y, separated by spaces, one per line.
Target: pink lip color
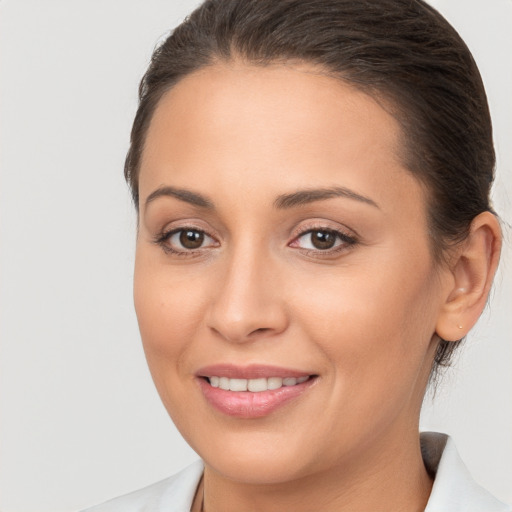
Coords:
pixel 253 371
pixel 246 404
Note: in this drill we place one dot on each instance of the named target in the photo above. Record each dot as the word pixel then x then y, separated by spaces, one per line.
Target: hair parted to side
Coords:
pixel 402 52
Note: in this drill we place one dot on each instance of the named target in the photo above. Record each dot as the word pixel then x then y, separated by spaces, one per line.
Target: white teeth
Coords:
pixel 274 382
pixel 238 384
pixel 255 385
pixel 224 383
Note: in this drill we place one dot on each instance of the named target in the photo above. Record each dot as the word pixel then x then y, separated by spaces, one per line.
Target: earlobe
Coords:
pixel 472 273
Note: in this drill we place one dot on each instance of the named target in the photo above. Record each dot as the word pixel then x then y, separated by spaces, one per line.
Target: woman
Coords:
pixel 314 240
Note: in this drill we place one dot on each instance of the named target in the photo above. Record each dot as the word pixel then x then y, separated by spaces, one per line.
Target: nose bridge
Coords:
pixel 246 303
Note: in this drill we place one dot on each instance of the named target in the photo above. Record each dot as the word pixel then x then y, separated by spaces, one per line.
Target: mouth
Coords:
pixel 252 392
pixel 255 385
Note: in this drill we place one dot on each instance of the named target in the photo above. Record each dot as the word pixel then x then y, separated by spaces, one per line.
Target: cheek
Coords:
pixel 169 307
pixel 373 335
pixel 374 327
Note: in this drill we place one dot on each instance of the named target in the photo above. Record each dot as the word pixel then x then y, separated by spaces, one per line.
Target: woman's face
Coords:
pixel 280 237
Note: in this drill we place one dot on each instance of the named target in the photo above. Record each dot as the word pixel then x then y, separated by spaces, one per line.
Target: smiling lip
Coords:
pixel 251 404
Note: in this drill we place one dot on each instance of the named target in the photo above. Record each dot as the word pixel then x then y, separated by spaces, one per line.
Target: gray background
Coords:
pixel 80 419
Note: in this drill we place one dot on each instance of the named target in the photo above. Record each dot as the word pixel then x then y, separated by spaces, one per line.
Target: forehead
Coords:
pixel 278 125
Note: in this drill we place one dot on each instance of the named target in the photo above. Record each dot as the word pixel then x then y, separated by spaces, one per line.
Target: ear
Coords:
pixel 471 274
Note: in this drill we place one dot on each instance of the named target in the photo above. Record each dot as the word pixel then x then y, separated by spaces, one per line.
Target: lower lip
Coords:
pixel 246 404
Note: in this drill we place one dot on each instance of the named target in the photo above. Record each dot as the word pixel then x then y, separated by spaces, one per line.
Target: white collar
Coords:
pixel 454 489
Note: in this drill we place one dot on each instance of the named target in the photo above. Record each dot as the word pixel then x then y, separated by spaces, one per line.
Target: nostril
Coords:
pixel 260 330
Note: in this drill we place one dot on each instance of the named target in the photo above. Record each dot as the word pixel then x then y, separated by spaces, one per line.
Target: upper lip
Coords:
pixel 253 371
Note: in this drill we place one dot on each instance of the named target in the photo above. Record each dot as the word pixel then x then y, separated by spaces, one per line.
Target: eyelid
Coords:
pixel 323 225
pixel 162 239
pixel 344 237
pixel 173 232
pixel 181 224
pixel 347 238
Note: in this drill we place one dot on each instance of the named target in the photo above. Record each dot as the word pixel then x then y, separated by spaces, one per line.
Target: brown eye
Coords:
pixel 186 241
pixel 326 240
pixel 323 239
pixel 191 238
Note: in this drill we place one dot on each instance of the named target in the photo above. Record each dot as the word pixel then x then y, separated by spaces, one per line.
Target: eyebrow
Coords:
pixel 283 201
pixel 183 195
pixel 307 196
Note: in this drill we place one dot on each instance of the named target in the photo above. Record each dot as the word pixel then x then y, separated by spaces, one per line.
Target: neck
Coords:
pixel 392 474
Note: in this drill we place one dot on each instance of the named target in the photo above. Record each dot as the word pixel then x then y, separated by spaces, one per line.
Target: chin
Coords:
pixel 256 470
pixel 257 457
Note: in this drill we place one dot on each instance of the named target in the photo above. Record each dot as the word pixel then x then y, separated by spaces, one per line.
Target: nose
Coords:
pixel 248 302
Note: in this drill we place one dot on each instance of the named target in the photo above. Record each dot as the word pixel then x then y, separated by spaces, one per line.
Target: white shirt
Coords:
pixel 453 491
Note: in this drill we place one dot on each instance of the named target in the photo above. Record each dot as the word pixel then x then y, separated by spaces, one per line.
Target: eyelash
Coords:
pixel 163 238
pixel 347 241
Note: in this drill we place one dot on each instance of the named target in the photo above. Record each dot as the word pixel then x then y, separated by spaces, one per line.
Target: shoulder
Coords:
pixel 454 488
pixel 174 494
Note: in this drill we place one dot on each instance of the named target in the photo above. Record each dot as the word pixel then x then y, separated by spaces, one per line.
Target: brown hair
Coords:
pixel 401 51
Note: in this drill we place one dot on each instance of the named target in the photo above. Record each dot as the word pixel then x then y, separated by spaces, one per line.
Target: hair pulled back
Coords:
pixel 402 52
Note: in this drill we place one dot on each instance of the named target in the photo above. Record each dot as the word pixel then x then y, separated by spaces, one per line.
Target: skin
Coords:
pixel 364 318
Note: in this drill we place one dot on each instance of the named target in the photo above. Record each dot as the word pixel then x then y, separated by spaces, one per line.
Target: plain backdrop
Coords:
pixel 80 421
